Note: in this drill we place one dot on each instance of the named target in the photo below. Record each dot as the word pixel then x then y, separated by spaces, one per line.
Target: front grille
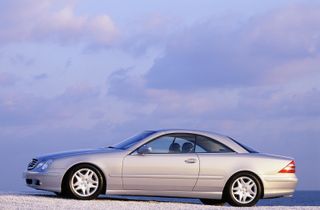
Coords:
pixel 32 164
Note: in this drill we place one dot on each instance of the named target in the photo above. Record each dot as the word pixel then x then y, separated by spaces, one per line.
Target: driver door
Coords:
pixel 170 165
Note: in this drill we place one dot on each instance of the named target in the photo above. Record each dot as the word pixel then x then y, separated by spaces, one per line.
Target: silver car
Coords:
pixel 173 163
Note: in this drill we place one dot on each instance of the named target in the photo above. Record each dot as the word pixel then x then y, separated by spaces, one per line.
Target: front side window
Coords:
pixel 208 145
pixel 172 144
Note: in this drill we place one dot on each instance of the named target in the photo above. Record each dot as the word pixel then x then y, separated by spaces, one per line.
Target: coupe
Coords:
pixel 172 163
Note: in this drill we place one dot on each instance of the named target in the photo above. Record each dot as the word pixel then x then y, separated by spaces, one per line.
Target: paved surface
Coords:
pixel 48 201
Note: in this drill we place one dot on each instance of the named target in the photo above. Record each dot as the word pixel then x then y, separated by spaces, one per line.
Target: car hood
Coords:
pixel 76 153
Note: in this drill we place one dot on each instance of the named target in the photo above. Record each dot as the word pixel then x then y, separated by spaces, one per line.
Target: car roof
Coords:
pixel 194 131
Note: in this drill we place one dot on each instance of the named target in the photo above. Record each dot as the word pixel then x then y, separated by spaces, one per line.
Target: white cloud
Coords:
pixel 7 79
pixel 33 20
pixel 275 48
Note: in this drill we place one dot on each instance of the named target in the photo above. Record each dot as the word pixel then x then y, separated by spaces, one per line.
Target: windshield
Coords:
pixel 249 149
pixel 132 140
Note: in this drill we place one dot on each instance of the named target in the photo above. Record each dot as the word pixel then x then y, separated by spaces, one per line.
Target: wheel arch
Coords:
pixel 224 192
pixel 65 176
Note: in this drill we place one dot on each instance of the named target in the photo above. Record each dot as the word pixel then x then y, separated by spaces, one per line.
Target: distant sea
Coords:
pixel 300 198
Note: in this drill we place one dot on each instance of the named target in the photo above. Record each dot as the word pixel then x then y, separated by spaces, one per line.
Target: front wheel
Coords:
pixel 244 189
pixel 85 182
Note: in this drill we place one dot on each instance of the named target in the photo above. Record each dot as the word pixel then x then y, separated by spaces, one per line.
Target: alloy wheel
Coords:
pixel 84 182
pixel 244 190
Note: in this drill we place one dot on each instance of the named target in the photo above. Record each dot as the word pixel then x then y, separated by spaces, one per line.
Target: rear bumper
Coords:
pixel 50 181
pixel 281 185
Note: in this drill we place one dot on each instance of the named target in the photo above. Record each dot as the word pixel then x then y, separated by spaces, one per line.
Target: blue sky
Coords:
pixel 77 74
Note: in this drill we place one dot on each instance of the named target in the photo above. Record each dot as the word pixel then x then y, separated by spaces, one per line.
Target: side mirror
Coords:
pixel 144 150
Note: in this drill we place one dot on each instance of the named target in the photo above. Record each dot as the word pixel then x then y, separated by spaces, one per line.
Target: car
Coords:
pixel 169 162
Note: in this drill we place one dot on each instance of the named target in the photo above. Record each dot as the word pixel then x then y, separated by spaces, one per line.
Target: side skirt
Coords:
pixel 182 194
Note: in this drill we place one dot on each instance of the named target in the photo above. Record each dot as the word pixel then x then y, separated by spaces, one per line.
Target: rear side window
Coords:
pixel 249 149
pixel 208 145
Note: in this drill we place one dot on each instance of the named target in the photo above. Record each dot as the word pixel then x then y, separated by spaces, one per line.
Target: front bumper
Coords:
pixel 50 180
pixel 281 185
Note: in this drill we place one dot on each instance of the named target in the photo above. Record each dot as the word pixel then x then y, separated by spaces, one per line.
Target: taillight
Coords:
pixel 290 168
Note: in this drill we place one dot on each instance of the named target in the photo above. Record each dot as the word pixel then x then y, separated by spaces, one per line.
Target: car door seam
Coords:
pixel 198 172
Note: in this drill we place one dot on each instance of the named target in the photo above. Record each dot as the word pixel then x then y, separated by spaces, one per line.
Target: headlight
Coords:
pixel 43 165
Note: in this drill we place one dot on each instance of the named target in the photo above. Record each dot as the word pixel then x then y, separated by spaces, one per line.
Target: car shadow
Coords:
pixel 121 198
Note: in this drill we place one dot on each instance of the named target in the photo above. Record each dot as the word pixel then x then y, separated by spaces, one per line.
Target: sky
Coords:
pixel 84 74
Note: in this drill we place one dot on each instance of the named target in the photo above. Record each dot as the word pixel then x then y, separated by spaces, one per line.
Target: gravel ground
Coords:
pixel 48 201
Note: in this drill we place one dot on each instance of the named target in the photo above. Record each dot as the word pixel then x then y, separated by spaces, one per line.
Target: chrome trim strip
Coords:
pixel 161 176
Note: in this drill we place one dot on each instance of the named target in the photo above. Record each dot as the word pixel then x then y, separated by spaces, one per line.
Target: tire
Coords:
pixel 243 190
pixel 84 182
pixel 212 202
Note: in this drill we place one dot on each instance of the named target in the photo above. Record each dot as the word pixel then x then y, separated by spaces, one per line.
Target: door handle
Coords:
pixel 190 160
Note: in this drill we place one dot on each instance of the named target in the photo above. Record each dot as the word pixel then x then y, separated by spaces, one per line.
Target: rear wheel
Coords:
pixel 212 202
pixel 84 182
pixel 244 189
